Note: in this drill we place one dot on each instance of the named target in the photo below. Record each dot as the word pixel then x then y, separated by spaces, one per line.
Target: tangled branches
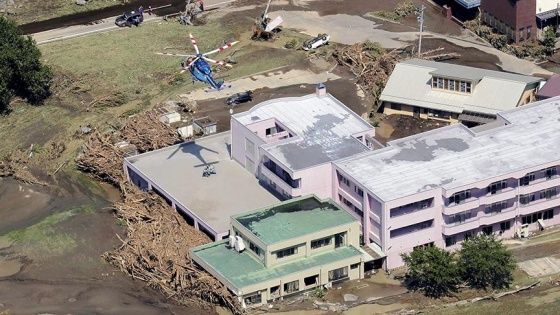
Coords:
pixel 158 238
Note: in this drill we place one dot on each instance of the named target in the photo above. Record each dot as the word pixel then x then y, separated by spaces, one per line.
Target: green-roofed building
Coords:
pixel 288 248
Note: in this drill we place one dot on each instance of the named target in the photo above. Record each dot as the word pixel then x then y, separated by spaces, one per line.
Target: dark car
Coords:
pixel 129 18
pixel 238 98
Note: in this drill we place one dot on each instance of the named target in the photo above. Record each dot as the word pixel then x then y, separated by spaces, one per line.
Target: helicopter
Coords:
pixel 198 65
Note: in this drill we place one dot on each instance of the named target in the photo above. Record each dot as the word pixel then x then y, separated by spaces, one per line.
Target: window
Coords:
pixel 354 266
pixel 337 274
pixel 253 298
pixel 411 228
pixel 434 82
pixel 496 187
pixel 525 180
pixel 526 199
pixel 411 207
pixel 548 214
pixel 423 246
pixel 396 106
pixel 345 180
pixel 359 191
pixel 487 230
pixel 256 249
pixel 549 193
pixel 460 196
pixel 550 172
pixel 452 85
pixel 320 243
pixel 463 87
pixel 286 252
pixel 468 87
pixel 270 131
pixel 543 215
pixel 496 207
pixel 529 31
pixel 311 280
pixel 290 287
pixel 339 239
pixel 468 235
pixel 459 218
pixel 358 211
pixel 504 226
pixel 521 34
pixel 450 241
pixel 440 83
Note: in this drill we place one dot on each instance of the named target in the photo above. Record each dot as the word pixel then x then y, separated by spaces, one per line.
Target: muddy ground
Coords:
pixel 63 272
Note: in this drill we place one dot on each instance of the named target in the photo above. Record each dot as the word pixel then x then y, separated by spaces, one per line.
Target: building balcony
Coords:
pixel 350 196
pixel 411 239
pixel 501 195
pixel 539 205
pixel 280 183
pixel 539 184
pixel 277 136
pixel 469 204
pixel 412 217
pixel 475 222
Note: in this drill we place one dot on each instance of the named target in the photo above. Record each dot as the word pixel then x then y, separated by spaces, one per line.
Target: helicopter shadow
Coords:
pixel 196 150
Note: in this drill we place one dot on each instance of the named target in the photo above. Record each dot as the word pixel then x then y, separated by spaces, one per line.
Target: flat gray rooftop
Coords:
pixel 178 169
pixel 454 156
pixel 410 83
pixel 323 127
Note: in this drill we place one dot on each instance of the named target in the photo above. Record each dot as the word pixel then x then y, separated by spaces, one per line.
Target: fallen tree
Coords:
pixel 157 241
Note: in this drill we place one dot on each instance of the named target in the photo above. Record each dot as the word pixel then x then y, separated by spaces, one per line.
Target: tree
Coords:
pixel 432 270
pixel 486 262
pixel 549 40
pixel 21 71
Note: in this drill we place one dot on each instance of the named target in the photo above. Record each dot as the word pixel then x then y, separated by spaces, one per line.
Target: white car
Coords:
pixel 321 39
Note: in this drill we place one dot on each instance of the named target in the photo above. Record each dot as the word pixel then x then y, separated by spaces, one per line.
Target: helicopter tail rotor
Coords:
pixel 173 54
pixel 193 41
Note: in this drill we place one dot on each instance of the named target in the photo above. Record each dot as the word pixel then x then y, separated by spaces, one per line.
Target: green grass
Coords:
pixel 42 239
pixel 548 237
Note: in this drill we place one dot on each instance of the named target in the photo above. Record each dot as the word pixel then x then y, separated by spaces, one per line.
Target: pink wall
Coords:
pixel 238 134
pixel 316 180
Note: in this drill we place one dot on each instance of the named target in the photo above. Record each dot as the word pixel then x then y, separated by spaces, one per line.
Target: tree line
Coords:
pixel 482 262
pixel 21 72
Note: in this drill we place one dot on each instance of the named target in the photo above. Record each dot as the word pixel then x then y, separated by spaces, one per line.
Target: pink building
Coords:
pixel 290 143
pixel 435 188
pixel 443 186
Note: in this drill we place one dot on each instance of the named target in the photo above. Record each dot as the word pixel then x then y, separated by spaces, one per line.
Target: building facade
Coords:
pixel 285 250
pixel 290 143
pixel 514 18
pixel 452 93
pixel 443 186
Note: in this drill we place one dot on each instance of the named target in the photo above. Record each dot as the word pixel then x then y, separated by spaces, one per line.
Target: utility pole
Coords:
pixel 420 18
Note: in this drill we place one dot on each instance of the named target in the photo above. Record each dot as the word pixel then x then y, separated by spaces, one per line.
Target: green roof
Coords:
pixel 242 269
pixel 293 218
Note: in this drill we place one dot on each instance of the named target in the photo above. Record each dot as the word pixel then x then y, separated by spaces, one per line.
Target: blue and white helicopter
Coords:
pixel 199 67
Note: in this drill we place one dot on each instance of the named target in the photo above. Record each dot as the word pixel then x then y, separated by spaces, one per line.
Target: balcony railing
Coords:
pixel 468 204
pixel 475 222
pixel 539 184
pixel 294 192
pixel 293 183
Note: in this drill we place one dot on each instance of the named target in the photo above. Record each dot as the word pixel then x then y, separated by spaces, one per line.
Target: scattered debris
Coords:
pixel 350 297
pixel 158 238
pixel 18 163
pixel 331 307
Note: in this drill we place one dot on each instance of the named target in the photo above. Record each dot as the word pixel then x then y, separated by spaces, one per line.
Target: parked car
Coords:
pixel 239 98
pixel 129 18
pixel 321 39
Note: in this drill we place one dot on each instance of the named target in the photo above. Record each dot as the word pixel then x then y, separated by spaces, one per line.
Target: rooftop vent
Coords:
pixel 321 90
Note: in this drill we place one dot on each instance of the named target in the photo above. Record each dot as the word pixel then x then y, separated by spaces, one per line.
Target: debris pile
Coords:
pixel 372 64
pixel 158 238
pixel 18 163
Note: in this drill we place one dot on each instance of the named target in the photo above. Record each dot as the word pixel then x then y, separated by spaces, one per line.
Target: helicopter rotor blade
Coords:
pixel 221 48
pixel 172 54
pixel 218 62
pixel 193 41
pixel 192 61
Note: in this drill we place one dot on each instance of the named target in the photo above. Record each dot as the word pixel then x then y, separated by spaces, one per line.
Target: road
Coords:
pixel 104 25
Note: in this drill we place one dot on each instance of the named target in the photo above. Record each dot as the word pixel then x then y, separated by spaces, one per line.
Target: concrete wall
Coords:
pixel 316 180
pixel 240 153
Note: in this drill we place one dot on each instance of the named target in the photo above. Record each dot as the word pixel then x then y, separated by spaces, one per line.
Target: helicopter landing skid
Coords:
pixel 223 87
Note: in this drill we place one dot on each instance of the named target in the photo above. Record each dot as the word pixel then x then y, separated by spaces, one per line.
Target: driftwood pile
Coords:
pixel 158 238
pixel 372 65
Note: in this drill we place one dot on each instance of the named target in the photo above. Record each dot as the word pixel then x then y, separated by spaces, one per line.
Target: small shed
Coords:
pixel 170 118
pixel 204 126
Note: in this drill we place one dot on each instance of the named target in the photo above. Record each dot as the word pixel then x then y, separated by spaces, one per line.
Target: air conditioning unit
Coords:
pixel 239 244
pixel 524 231
pixel 232 241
